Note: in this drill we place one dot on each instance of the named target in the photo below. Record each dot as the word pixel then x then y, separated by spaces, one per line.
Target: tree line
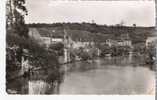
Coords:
pixel 136 34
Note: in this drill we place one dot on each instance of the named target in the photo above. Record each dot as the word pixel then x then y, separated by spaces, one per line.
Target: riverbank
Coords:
pixel 118 61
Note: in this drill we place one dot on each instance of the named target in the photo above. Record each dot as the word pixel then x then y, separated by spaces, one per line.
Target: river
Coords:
pixel 108 76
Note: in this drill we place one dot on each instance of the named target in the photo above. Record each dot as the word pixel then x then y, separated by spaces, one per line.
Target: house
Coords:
pixel 43 39
pixel 122 40
pixel 151 40
pixel 124 43
pixel 48 40
pixel 78 44
pixel 111 42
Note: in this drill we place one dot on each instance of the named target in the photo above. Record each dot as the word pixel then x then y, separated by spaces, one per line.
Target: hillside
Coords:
pixel 93 32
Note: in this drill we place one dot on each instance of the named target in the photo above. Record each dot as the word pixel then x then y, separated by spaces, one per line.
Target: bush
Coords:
pixel 85 56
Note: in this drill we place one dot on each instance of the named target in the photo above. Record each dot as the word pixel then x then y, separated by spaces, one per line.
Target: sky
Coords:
pixel 141 13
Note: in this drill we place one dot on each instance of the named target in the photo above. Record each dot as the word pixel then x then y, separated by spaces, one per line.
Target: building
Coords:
pixel 111 42
pixel 124 43
pixel 78 44
pixel 43 39
pixel 151 40
pixel 48 40
pixel 122 40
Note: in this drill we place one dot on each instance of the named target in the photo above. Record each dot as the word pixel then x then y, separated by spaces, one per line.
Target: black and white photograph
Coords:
pixel 80 47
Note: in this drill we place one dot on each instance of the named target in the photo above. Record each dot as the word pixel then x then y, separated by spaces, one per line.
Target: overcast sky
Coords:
pixel 105 12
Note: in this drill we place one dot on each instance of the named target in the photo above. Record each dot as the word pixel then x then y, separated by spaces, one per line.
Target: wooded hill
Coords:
pixel 94 32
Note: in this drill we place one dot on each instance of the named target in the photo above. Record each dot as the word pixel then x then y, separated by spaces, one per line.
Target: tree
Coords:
pixel 134 25
pixel 17 31
pixel 58 48
pixel 17 36
pixel 16 12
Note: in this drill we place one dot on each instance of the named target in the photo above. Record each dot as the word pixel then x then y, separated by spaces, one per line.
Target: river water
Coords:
pixel 108 76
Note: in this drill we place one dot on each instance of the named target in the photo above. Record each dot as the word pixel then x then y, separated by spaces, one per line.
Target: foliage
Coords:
pixel 17 35
pixel 120 50
pixel 57 47
pixel 105 49
pixel 100 32
pixel 85 56
pixel 16 16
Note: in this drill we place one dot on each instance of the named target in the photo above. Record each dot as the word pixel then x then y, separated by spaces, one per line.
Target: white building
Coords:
pixel 110 42
pixel 152 39
pixel 124 43
pixel 34 33
pixel 48 40
pixel 79 44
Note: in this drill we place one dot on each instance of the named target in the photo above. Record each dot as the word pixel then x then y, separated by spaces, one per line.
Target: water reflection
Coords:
pixel 109 75
pixel 118 75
